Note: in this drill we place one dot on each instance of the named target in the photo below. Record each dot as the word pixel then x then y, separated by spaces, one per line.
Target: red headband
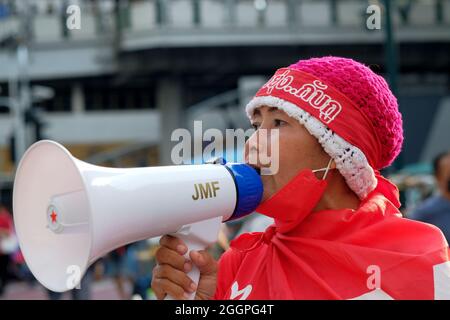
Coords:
pixel 328 105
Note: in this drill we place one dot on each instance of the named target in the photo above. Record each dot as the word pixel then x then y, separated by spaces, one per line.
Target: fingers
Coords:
pixel 172 281
pixel 173 243
pixel 162 287
pixel 170 275
pixel 204 262
pixel 171 253
pixel 170 257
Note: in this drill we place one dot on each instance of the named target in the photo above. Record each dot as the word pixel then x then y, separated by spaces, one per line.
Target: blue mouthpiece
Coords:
pixel 249 189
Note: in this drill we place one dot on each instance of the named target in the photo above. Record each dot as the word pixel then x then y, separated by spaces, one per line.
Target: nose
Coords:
pixel 251 146
pixel 258 149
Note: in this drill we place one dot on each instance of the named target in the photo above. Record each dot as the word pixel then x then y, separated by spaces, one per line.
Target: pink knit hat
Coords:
pixel 347 107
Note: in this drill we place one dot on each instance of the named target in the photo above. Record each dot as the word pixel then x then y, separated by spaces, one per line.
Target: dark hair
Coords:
pixel 437 160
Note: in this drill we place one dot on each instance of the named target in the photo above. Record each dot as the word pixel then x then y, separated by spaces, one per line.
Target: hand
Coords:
pixel 170 274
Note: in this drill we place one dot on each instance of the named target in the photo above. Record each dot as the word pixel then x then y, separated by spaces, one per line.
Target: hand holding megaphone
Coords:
pixel 68 213
pixel 171 276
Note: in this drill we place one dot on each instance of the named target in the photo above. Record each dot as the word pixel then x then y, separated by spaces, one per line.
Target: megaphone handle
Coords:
pixel 194 274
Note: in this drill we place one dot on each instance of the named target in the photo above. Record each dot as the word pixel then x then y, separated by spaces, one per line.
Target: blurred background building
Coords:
pixel 113 90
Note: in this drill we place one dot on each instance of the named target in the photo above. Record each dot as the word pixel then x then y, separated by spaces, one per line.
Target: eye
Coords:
pixel 279 122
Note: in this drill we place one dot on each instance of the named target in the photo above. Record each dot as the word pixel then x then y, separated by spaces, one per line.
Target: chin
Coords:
pixel 267 193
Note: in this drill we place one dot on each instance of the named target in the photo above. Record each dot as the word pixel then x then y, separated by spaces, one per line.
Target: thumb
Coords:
pixel 204 262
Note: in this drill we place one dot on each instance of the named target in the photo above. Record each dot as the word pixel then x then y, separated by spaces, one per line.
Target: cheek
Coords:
pixel 297 150
pixel 289 164
pixel 292 154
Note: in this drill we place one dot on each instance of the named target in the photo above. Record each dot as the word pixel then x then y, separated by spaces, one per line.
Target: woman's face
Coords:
pixel 297 148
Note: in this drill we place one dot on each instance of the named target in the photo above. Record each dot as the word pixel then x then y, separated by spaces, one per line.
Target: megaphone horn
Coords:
pixel 68 213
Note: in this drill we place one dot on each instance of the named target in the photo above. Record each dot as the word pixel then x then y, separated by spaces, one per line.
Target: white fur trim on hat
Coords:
pixel 350 160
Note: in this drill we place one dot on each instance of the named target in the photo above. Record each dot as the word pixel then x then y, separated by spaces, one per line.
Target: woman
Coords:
pixel 338 234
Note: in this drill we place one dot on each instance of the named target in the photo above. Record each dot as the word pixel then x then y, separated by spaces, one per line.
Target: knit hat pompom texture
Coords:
pixel 367 91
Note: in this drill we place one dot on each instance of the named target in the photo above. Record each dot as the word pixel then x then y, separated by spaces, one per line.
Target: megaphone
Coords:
pixel 68 213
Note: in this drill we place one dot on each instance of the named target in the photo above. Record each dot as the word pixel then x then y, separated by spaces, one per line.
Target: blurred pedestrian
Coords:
pixel 83 292
pixel 115 266
pixel 138 263
pixel 8 244
pixel 436 210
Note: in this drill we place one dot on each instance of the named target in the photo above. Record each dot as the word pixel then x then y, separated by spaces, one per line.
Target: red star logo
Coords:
pixel 53 216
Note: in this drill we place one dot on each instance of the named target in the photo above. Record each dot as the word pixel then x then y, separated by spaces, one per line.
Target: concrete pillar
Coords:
pixel 161 9
pixel 196 10
pixel 231 11
pixel 291 7
pixel 77 99
pixel 169 101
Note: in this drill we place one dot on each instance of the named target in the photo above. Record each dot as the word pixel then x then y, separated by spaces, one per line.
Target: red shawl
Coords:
pixel 368 253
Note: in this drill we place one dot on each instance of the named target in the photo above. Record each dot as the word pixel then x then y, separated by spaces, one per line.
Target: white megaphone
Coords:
pixel 68 213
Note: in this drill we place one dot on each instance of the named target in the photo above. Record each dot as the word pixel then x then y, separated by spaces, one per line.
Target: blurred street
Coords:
pixel 102 290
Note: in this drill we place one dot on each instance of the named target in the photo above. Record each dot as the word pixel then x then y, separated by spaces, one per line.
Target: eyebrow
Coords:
pixel 271 109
